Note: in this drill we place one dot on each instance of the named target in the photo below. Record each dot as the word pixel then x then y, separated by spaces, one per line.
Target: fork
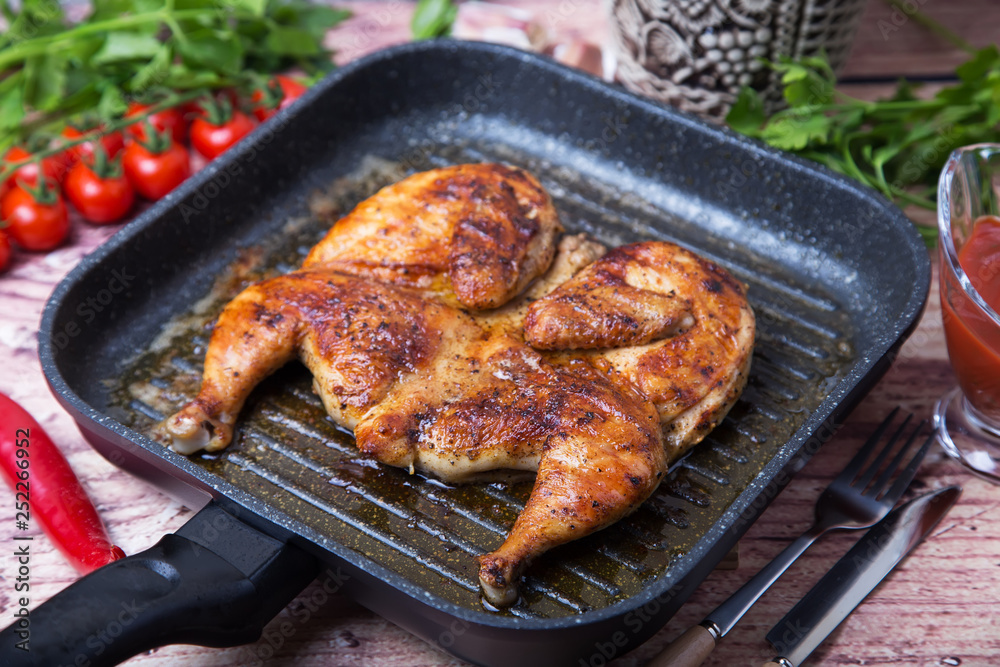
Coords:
pixel 850 502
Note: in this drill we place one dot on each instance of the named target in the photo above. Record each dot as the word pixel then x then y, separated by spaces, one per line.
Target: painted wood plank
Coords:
pixel 939 608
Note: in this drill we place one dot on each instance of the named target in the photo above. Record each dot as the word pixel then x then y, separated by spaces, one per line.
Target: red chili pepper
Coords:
pixel 46 489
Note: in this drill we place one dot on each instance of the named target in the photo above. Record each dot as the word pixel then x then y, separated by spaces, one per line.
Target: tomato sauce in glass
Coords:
pixel 973 338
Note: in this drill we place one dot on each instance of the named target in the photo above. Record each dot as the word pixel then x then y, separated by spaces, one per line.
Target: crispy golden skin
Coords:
pixel 357 337
pixel 595 443
pixel 636 355
pixel 475 233
pixel 573 252
pixel 673 324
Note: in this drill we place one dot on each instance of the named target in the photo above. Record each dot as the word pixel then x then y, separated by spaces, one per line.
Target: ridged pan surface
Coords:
pixel 829 309
pixel 287 451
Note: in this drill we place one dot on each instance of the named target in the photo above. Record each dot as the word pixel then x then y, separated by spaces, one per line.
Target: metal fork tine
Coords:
pixel 894 493
pixel 854 465
pixel 890 470
pixel 883 454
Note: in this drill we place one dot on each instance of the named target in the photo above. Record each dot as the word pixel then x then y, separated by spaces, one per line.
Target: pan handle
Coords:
pixel 216 582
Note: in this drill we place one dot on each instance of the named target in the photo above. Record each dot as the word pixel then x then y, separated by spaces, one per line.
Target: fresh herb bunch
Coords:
pixel 433 18
pixel 126 50
pixel 897 145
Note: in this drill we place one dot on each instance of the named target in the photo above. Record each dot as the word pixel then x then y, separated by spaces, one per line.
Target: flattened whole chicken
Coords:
pixel 595 380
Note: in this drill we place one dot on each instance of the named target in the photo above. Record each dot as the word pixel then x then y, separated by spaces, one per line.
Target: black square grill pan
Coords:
pixel 837 277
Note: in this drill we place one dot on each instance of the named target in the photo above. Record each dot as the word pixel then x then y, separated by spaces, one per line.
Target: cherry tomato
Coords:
pixel 211 140
pixel 112 142
pixel 54 167
pixel 169 119
pixel 154 174
pixel 98 199
pixel 281 91
pixel 4 250
pixel 32 224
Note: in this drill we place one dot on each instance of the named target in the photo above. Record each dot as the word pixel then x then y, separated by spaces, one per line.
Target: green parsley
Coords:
pixel 897 145
pixel 53 70
pixel 433 18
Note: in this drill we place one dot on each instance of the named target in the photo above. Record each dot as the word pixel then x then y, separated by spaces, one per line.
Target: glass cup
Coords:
pixel 968 417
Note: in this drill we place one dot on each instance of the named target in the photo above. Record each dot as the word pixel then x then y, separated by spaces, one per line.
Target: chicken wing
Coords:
pixel 674 325
pixel 476 234
pixel 573 252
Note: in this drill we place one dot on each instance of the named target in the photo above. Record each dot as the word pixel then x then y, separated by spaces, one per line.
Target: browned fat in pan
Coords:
pixel 288 452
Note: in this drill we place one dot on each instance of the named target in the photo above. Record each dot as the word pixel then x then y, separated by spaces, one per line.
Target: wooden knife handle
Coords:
pixel 778 661
pixel 688 650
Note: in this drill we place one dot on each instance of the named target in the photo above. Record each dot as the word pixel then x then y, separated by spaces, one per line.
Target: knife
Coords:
pixel 855 575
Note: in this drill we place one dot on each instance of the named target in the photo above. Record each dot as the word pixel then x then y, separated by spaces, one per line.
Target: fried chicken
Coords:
pixel 596 373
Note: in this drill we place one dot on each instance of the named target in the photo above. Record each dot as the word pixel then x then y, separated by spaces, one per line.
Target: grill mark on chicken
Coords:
pixel 604 311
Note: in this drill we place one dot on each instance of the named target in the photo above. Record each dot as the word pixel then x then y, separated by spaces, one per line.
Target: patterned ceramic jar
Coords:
pixel 696 54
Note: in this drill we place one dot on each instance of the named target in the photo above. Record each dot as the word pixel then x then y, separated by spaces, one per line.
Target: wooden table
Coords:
pixel 941 607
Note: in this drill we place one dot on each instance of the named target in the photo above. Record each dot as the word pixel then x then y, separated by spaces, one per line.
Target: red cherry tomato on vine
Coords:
pixel 112 142
pixel 98 199
pixel 153 174
pixel 169 119
pixel 34 224
pixel 211 140
pixel 281 91
pixel 54 167
pixel 4 250
pixel 195 108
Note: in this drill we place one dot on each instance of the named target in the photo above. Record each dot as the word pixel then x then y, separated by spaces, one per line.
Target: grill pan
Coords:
pixel 837 276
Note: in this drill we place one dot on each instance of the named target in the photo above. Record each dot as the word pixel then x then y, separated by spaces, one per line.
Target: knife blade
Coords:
pixel 855 575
